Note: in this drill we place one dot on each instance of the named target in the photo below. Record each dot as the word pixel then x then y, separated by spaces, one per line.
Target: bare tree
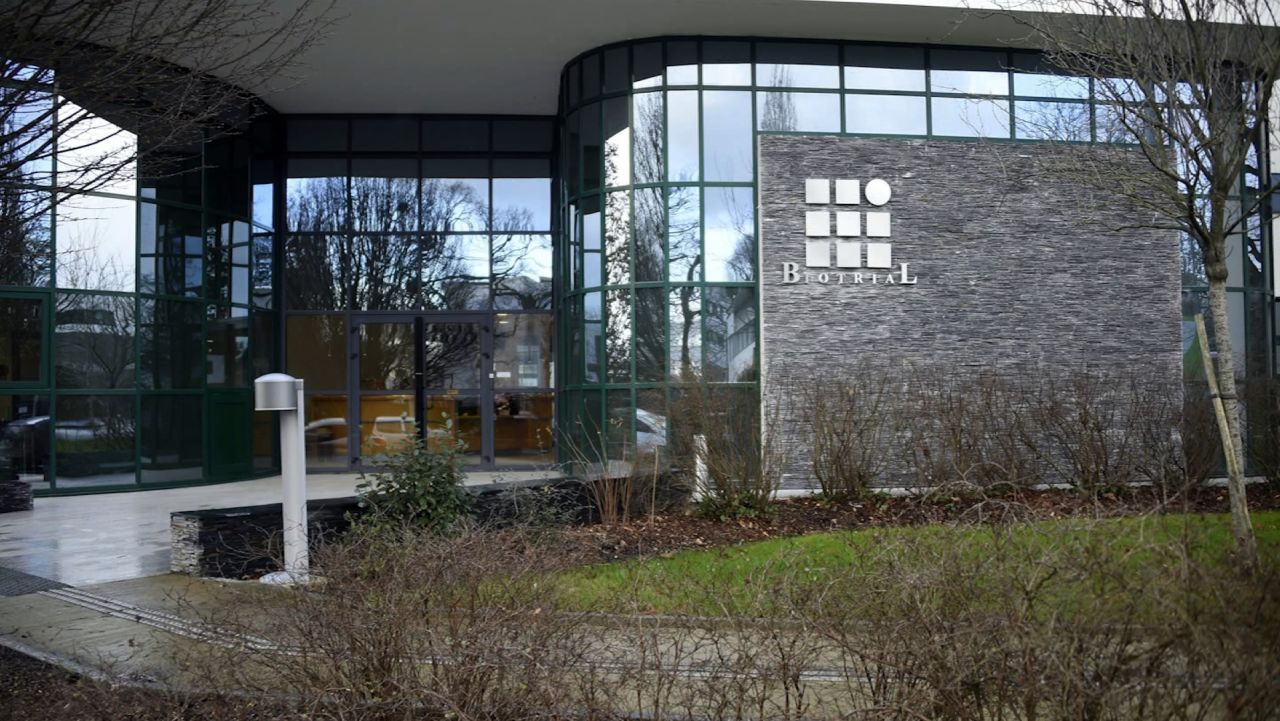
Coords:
pixel 1188 84
pixel 122 78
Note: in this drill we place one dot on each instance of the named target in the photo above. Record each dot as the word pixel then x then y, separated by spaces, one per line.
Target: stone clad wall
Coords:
pixel 1013 268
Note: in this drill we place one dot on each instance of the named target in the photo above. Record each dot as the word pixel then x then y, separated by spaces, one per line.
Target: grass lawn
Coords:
pixel 1136 568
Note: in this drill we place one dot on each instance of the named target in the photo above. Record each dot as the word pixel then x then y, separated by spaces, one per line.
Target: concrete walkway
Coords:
pixel 80 540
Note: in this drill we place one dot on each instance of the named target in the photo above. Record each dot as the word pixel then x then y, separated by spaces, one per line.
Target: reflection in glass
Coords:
pixel 384 272
pixel 94 436
pixel 93 340
pixel 971 117
pixel 522 272
pixel 876 67
pixel 522 203
pixel 650 234
pixel 618 426
pixel 172 243
pixel 317 272
pixel 384 134
pixel 25 429
pixel 682 62
pixel 730 340
pixel 727 135
pixel 730 227
pixel 454 420
pixel 227 344
pixel 646 69
pixel 617 336
pixel 316 350
pixel 387 424
pixel 797 65
pixel 172 450
pixel 265 334
pixel 97 242
pixel 974 72
pixel 522 135
pixel 593 337
pixel 455 136
pixel 384 195
pixel 798 112
pixel 1032 76
pixel 324 432
pixel 684 231
pixel 651 336
pixel 26 242
pixel 451 355
pixel 647 114
pixel 590 150
pixel 171 344
pixel 726 63
pixel 316 194
pixel 523 356
pixel 885 114
pixel 617 143
pixel 617 239
pixel 684 312
pixel 21 332
pixel 1051 121
pixel 651 427
pixel 387 356
pixel 522 427
pixel 454 203
pixel 616 70
pixel 682 136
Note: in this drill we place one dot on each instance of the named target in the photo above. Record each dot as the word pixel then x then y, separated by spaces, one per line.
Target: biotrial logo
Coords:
pixel 849 268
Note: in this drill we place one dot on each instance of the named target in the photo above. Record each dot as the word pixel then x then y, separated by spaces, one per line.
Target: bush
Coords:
pixel 417 487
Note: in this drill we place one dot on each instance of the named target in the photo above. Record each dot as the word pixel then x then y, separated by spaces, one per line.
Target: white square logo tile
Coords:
pixel 878 225
pixel 817 191
pixel 848 192
pixel 879 255
pixel 848 223
pixel 848 255
pixel 817 253
pixel 817 224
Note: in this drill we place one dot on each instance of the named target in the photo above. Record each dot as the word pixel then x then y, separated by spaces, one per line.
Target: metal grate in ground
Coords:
pixel 17 583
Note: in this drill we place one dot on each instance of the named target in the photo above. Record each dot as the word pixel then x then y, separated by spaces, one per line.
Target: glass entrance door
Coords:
pixel 422 375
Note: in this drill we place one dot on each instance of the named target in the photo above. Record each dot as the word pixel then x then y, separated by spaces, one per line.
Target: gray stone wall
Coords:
pixel 1014 268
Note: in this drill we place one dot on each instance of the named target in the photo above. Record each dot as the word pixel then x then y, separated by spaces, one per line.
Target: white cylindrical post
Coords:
pixel 700 475
pixel 283 393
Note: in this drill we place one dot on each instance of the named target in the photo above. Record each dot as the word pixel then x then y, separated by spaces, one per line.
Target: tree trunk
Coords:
pixel 1241 525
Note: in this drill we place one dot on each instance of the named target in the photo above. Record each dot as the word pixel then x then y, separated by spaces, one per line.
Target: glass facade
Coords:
pixel 428 274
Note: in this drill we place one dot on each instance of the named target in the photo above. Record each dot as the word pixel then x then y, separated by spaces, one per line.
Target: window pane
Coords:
pixel 727 136
pixel 455 195
pixel 618 429
pixel 325 433
pixel 651 336
pixel 589 153
pixel 975 72
pixel 522 430
pixel 684 228
pixel 387 356
pixel 317 134
pixel 265 333
pixel 726 63
pixel 527 136
pixel 616 69
pixel 617 337
pixel 385 134
pixel 617 239
pixel 1032 76
pixel 885 114
pixel 172 251
pixel 730 334
pixel 451 355
pixel 730 234
pixel 455 272
pixel 522 272
pixel 387 423
pixel 317 272
pixel 523 354
pixel 522 195
pixel 21 331
pixel 26 244
pixel 316 350
pixel 797 65
pixel 384 195
pixel 590 77
pixel 25 431
pixel 617 143
pixel 454 420
pixel 97 243
pixel 650 234
pixel 682 136
pixel 971 118
pixel 651 425
pixel 316 194
pixel 94 437
pixel 457 136
pixel 682 62
pixel 647 119
pixel 93 341
pixel 875 67
pixel 227 358
pixel 171 344
pixel 684 313
pixel 1052 121
pixel 646 69
pixel 94 153
pixel 385 270
pixel 171 451
pixel 798 112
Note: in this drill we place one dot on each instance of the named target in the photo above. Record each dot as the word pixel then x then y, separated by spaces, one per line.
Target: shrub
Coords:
pixel 417 486
pixel 847 420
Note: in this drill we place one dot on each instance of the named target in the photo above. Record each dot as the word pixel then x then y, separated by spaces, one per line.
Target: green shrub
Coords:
pixel 417 487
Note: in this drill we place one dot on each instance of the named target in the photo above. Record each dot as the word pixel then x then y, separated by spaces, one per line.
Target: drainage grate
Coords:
pixel 17 583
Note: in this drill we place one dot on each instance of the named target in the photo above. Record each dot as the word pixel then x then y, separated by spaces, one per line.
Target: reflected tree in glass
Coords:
pixel 93 337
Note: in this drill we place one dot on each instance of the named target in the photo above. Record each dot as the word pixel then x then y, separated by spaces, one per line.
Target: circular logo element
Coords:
pixel 877 192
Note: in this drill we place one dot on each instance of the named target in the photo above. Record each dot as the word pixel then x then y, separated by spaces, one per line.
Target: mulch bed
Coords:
pixel 671 532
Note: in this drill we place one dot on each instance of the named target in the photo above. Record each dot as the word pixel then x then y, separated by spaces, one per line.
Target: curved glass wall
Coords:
pixel 658 255
pixel 134 312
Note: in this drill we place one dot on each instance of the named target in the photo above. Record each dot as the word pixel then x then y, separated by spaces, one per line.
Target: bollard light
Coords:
pixel 283 393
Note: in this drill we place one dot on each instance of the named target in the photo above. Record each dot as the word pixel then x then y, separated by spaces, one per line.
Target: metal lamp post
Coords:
pixel 283 393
